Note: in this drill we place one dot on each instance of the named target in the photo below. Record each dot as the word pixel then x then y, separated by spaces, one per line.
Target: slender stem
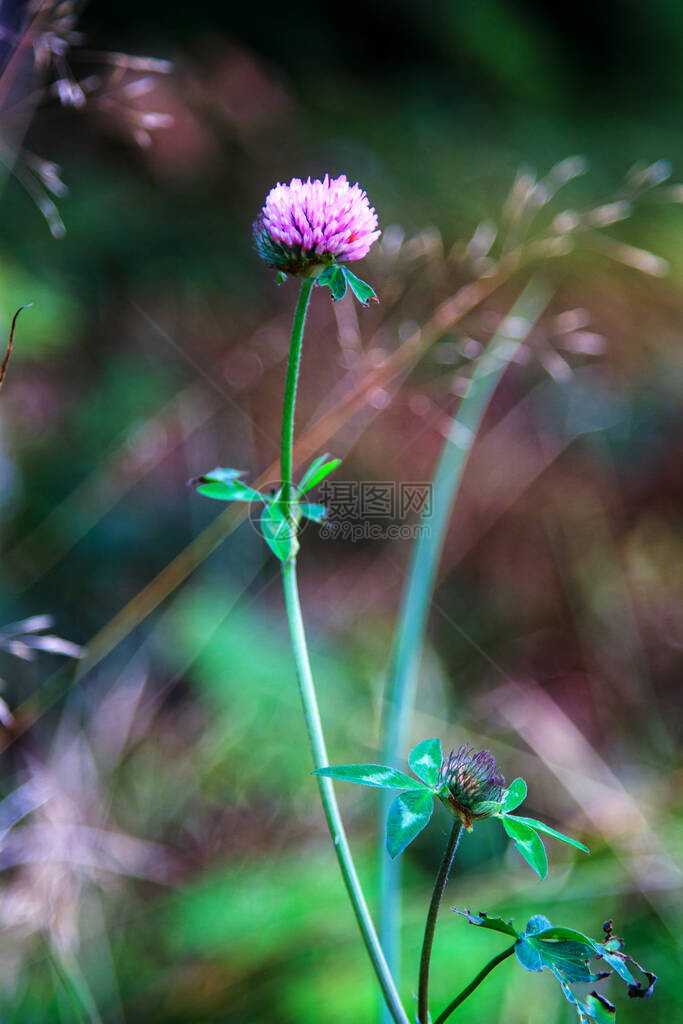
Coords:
pixel 291 385
pixel 430 927
pixel 307 687
pixel 474 984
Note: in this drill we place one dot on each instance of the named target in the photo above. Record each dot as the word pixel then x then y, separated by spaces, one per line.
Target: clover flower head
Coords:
pixel 308 225
pixel 470 781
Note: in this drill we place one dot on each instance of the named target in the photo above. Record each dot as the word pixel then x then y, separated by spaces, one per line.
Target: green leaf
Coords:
pixel 225 485
pixel 551 932
pixel 496 924
pixel 279 531
pixel 528 843
pixel 540 827
pixel 567 959
pixel 334 279
pixel 611 956
pixel 317 471
pixel 316 513
pixel 425 760
pixel 361 289
pixel 599 1008
pixel 537 924
pixel 528 957
pixel 371 775
pixel 281 277
pixel 408 815
pixel 234 491
pixel 223 476
pixel 513 796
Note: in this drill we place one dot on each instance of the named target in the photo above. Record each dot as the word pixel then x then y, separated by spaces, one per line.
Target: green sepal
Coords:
pixel 496 924
pixel 279 530
pixel 408 815
pixel 281 277
pixel 316 513
pixel 540 827
pixel 371 775
pixel 425 760
pixel 361 289
pixel 317 471
pixel 529 844
pixel 513 796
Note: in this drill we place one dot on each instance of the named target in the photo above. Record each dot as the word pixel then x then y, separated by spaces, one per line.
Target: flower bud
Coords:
pixel 470 784
pixel 306 226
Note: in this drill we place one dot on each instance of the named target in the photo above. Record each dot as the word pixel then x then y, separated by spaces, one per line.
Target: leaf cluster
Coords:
pixel 567 954
pixel 337 277
pixel 278 519
pixel 411 811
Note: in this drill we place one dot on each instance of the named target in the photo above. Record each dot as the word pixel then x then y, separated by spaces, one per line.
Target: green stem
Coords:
pixel 474 984
pixel 307 687
pixel 430 927
pixel 291 385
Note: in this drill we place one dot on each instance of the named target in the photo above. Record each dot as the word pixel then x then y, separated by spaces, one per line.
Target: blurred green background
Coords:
pixel 180 869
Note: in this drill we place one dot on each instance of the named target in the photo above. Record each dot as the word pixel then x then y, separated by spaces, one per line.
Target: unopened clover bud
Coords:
pixel 471 787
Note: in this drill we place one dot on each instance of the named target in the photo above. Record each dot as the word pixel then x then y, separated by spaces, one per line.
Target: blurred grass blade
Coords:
pixel 426 554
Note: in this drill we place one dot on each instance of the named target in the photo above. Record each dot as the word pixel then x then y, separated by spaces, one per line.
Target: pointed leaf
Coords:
pixel 496 924
pixel 408 815
pixel 316 513
pixel 233 491
pixel 425 760
pixel 317 471
pixel 335 281
pixel 279 530
pixel 361 289
pixel 513 796
pixel 528 843
pixel 371 775
pixel 221 475
pixel 540 827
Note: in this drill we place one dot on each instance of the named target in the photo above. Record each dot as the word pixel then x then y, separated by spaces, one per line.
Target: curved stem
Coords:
pixel 474 984
pixel 307 687
pixel 430 927
pixel 334 822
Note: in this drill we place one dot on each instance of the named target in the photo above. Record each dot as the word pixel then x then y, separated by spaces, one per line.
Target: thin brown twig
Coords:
pixel 10 343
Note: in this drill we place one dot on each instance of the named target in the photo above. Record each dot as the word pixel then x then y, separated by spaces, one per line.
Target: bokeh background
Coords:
pixel 168 861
